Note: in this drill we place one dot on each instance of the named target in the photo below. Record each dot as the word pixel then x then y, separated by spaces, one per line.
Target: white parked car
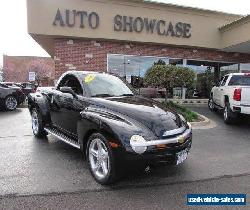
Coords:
pixel 232 95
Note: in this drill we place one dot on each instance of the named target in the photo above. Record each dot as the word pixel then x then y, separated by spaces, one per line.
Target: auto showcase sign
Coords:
pixel 121 23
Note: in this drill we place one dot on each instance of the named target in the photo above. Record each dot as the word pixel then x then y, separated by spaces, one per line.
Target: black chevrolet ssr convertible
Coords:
pixel 113 126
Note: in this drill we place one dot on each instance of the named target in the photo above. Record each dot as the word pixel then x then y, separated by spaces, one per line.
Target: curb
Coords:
pixel 22 106
pixel 205 124
pixel 194 105
pixel 205 121
pixel 184 102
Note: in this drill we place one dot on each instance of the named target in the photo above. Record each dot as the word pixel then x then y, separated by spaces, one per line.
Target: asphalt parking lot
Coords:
pixel 47 167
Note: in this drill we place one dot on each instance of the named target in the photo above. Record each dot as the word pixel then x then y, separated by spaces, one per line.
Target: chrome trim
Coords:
pixel 244 105
pixel 176 139
pixel 174 132
pixel 66 140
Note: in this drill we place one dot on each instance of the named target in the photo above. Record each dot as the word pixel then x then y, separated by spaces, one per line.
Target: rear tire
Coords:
pixel 229 116
pixel 100 159
pixel 10 103
pixel 37 124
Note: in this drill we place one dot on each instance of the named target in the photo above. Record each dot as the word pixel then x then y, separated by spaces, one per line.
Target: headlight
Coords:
pixel 189 125
pixel 135 142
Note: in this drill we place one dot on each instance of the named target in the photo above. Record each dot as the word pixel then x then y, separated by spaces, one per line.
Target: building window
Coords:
pixel 129 65
pixel 133 69
pixel 229 68
pixel 245 67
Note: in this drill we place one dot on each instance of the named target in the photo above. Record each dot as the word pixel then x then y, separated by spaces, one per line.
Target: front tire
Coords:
pixel 37 124
pixel 10 103
pixel 211 104
pixel 101 159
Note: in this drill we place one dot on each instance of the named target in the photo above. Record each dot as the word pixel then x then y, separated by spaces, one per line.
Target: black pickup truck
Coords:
pixel 101 115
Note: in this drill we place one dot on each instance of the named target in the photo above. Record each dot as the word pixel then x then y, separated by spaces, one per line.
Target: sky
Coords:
pixel 14 39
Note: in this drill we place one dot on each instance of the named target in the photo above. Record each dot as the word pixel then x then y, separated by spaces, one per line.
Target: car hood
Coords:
pixel 153 115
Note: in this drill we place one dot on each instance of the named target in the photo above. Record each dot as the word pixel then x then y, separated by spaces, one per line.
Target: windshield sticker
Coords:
pixel 89 78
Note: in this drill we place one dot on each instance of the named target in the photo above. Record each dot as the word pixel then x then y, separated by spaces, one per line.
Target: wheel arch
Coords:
pixel 84 139
pixel 41 104
pixel 226 100
pixel 11 94
pixel 86 127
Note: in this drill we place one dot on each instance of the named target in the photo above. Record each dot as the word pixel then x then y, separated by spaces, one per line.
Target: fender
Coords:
pixel 116 127
pixel 91 122
pixel 37 100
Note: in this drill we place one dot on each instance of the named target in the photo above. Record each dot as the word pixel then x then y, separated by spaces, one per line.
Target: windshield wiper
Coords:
pixel 103 95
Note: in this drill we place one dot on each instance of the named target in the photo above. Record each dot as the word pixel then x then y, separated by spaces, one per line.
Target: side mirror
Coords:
pixel 68 90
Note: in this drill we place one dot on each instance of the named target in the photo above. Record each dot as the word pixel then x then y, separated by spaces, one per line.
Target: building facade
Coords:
pixel 1 76
pixel 128 37
pixel 18 68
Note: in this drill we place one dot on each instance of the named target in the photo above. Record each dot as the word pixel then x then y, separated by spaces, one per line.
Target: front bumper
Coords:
pixel 155 156
pixel 176 139
pixel 162 150
pixel 157 151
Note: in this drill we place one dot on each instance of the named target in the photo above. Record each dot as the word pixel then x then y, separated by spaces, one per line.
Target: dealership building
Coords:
pixel 128 36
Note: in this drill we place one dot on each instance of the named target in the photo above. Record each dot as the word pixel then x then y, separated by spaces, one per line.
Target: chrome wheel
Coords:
pixel 11 103
pixel 226 113
pixel 35 122
pixel 99 159
pixel 211 104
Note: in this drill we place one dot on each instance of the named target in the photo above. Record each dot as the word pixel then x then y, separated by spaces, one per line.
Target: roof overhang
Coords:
pixel 236 35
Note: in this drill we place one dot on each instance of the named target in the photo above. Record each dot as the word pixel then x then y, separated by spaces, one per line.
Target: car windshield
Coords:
pixel 105 85
pixel 241 80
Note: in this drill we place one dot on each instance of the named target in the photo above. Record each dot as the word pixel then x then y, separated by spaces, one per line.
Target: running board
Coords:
pixel 62 137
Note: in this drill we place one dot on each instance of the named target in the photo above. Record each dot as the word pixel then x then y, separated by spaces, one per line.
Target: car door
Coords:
pixel 66 108
pixel 216 92
pixel 57 106
pixel 73 105
pixel 221 91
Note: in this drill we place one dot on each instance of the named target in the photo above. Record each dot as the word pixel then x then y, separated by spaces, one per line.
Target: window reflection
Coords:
pixel 178 62
pixel 230 68
pixel 245 67
pixel 133 69
pixel 126 65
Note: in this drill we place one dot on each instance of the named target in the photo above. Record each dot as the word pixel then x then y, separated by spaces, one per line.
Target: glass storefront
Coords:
pixel 230 68
pixel 133 69
pixel 245 67
pixel 126 65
